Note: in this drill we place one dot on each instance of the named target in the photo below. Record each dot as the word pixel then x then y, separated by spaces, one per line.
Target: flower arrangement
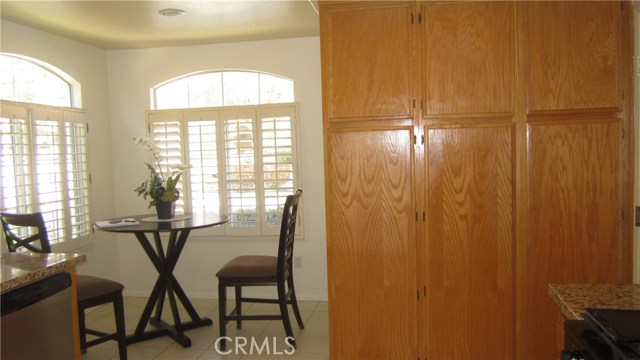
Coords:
pixel 159 187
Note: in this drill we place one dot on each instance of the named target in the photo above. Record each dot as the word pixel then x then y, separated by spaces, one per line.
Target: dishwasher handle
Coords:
pixel 22 297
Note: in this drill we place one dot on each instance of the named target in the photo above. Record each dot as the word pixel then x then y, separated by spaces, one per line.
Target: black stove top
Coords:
pixel 604 334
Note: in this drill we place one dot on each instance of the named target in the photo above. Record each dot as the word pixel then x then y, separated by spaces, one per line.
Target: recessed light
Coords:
pixel 172 12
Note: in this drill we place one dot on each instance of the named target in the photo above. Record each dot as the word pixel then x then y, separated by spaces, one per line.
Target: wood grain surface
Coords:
pixel 371 245
pixel 470 243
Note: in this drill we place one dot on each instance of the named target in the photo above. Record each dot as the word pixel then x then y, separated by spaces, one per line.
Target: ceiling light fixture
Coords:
pixel 172 12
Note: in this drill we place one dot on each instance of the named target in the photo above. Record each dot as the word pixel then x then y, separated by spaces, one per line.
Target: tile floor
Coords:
pixel 313 341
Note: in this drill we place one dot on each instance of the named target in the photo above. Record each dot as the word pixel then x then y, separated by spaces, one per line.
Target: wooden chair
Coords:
pixel 92 291
pixel 260 270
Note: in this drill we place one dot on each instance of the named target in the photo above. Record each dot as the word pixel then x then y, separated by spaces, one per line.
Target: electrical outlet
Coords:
pixel 297 262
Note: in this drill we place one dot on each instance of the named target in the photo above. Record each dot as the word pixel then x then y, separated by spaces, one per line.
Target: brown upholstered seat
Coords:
pixel 258 266
pixel 91 286
pixel 263 270
pixel 92 291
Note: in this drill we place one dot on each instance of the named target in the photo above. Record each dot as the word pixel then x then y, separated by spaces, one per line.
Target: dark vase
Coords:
pixel 165 210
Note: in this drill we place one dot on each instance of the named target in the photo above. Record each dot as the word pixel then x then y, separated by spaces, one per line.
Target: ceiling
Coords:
pixel 137 24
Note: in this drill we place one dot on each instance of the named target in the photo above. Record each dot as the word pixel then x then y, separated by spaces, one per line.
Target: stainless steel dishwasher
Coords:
pixel 36 320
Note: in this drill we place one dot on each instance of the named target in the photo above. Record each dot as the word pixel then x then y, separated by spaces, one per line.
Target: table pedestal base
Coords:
pixel 165 329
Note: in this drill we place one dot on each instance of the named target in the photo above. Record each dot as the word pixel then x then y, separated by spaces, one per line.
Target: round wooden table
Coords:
pixel 165 260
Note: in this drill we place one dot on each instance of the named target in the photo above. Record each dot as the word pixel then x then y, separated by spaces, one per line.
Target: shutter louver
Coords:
pixel 45 167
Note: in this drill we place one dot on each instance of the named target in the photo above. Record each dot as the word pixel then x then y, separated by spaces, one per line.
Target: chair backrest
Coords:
pixel 287 235
pixel 16 225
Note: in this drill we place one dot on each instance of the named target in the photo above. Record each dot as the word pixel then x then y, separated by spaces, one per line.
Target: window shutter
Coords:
pixel 242 162
pixel 240 170
pixel 17 168
pixel 77 170
pixel 204 171
pixel 278 167
pixel 49 163
pixel 45 167
pixel 166 133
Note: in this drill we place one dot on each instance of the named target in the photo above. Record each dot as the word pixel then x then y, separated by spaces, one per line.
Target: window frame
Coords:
pixel 184 116
pixel 61 227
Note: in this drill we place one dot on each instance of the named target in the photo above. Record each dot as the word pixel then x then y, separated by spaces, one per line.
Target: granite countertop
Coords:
pixel 574 298
pixel 22 268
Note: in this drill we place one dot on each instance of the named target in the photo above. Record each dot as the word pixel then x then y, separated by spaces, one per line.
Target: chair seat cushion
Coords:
pixel 251 266
pixel 90 287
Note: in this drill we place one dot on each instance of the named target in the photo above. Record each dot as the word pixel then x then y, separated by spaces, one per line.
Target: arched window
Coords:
pixel 236 130
pixel 222 88
pixel 28 80
pixel 43 148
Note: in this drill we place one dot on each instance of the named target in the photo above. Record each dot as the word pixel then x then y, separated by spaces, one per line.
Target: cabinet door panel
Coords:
pixel 470 243
pixel 573 51
pixel 469 57
pixel 371 245
pixel 367 52
pixel 573 219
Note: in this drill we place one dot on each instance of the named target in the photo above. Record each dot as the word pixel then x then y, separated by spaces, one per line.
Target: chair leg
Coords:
pixel 238 306
pixel 222 314
pixel 83 333
pixel 294 303
pixel 284 313
pixel 118 308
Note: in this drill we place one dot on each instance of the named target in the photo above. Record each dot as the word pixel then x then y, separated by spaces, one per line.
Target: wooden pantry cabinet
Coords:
pixel 474 153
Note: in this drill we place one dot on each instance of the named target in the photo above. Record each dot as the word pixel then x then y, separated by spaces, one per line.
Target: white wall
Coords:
pixel 132 73
pixel 116 94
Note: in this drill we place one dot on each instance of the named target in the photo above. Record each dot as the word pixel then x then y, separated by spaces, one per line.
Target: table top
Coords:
pixel 572 299
pixel 23 268
pixel 193 221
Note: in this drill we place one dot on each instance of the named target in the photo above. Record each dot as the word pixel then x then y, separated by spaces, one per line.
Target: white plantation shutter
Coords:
pixel 204 180
pixel 166 132
pixel 44 167
pixel 278 167
pixel 240 168
pixel 242 161
pixel 77 170
pixel 17 169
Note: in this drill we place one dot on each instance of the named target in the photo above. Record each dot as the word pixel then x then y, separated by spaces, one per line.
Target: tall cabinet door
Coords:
pixel 371 244
pixel 368 111
pixel 579 158
pixel 469 122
